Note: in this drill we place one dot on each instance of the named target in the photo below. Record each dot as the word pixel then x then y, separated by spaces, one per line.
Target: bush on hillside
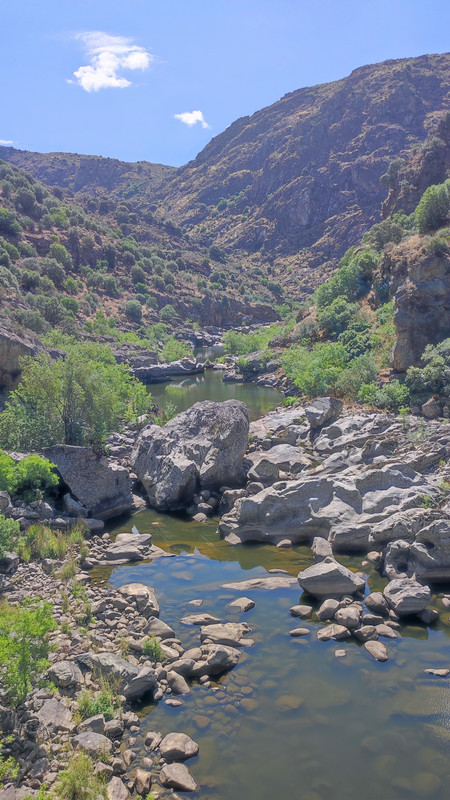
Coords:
pixel 434 376
pixel 433 207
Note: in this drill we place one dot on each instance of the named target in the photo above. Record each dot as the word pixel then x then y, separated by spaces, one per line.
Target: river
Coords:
pixel 292 720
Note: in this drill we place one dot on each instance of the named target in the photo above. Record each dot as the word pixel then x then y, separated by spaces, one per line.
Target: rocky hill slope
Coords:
pixel 302 177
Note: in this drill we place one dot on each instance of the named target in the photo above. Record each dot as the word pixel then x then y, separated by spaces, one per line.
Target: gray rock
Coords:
pixel 333 631
pixel 94 744
pixel 302 611
pixel 217 658
pixel 349 616
pixel 100 485
pixel 271 582
pixel 327 609
pixel 142 781
pixel 431 409
pixel 377 602
pixel 377 650
pixel 406 596
pixel 116 790
pixel 178 747
pixel 199 619
pixel 142 597
pixel 95 724
pixel 330 506
pixel 141 684
pixel 242 603
pixel 228 633
pixel 366 633
pixel 321 548
pixel 177 776
pixel 323 410
pixel 329 578
pixel 177 683
pixel 156 627
pixel 54 716
pixel 297 632
pixel 112 665
pixel 65 674
pixel 72 507
pixel 200 448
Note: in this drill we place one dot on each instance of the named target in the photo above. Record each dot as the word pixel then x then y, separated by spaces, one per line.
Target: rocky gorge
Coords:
pixel 348 485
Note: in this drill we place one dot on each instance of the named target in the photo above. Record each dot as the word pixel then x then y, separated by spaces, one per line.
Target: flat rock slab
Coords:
pixel 55 716
pixel 94 744
pixel 199 619
pixel 272 582
pixel 177 776
pixel 328 578
pixel 439 673
pixel 337 632
pixel 228 633
pixel 377 650
pixel 178 747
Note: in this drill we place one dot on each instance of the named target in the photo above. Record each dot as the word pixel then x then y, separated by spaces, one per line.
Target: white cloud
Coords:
pixel 108 57
pixel 6 142
pixel 191 118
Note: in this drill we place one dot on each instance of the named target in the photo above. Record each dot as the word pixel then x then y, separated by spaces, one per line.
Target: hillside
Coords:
pixel 91 175
pixel 299 182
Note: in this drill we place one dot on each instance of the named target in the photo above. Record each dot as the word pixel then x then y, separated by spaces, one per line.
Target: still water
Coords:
pixel 292 720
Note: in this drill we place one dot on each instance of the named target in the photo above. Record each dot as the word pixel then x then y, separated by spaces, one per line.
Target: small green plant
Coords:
pixel 403 413
pixel 9 530
pixel 24 645
pixel 40 541
pixel 65 627
pixel 104 703
pixel 9 768
pixel 68 570
pixel 30 478
pixel 78 782
pixel 426 501
pixel 124 647
pixel 152 648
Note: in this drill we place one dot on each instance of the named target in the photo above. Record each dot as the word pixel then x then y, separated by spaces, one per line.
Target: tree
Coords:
pixel 9 530
pixel 24 645
pixel 433 208
pixel 133 310
pixel 77 400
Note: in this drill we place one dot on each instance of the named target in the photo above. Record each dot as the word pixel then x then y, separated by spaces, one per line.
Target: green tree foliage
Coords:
pixel 434 376
pixel 351 281
pixel 316 371
pixel 133 310
pixel 29 478
pixel 75 400
pixel 335 317
pixel 433 208
pixel 24 645
pixel 60 254
pixel 240 344
pixel 173 350
pixel 9 768
pixel 9 223
pixel 392 396
pixel 383 233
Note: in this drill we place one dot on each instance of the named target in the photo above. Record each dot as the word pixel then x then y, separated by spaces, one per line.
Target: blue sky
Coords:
pixel 123 79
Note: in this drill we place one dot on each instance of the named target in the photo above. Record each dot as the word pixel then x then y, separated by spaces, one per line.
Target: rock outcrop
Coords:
pixel 100 485
pixel 12 348
pixel 202 448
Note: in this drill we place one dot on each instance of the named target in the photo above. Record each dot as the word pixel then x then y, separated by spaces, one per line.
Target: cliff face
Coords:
pixel 305 172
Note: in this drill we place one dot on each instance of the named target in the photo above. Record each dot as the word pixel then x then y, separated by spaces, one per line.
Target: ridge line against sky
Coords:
pixel 145 82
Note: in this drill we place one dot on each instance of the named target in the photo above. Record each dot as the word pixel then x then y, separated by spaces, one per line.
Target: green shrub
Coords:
pixel 173 350
pixel 360 370
pixel 152 648
pixel 168 313
pixel 316 371
pixel 433 207
pixel 133 310
pixel 40 542
pixel 392 396
pixel 78 781
pixel 9 531
pixel 76 400
pixel 351 281
pixel 24 645
pixel 9 768
pixel 9 223
pixel 105 703
pixel 434 376
pixel 335 318
pixel 437 246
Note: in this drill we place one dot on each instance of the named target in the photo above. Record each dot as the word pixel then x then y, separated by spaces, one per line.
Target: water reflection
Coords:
pixel 292 719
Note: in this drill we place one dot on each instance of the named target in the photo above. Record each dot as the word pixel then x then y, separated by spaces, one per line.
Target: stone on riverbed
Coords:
pixel 94 744
pixel 242 603
pixel 116 790
pixel 323 410
pixel 199 619
pixel 228 633
pixel 272 582
pixel 334 631
pixel 141 596
pixel 177 776
pixel 302 611
pixel 65 674
pixel 377 650
pixel 178 747
pixel 330 579
pixel 202 448
pixel 406 596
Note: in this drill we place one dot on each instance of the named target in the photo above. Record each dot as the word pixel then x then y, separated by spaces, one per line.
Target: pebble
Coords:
pixel 299 632
pixel 440 673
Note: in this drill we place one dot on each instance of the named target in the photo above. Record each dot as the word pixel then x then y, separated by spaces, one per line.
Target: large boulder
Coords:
pixel 202 448
pixel 406 596
pixel 100 485
pixel 266 464
pixel 134 681
pixel 12 349
pixel 326 505
pixel 141 596
pixel 178 747
pixel 330 579
pixel 65 674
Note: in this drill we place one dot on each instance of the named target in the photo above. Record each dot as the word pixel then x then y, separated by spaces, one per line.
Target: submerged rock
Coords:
pixel 202 448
